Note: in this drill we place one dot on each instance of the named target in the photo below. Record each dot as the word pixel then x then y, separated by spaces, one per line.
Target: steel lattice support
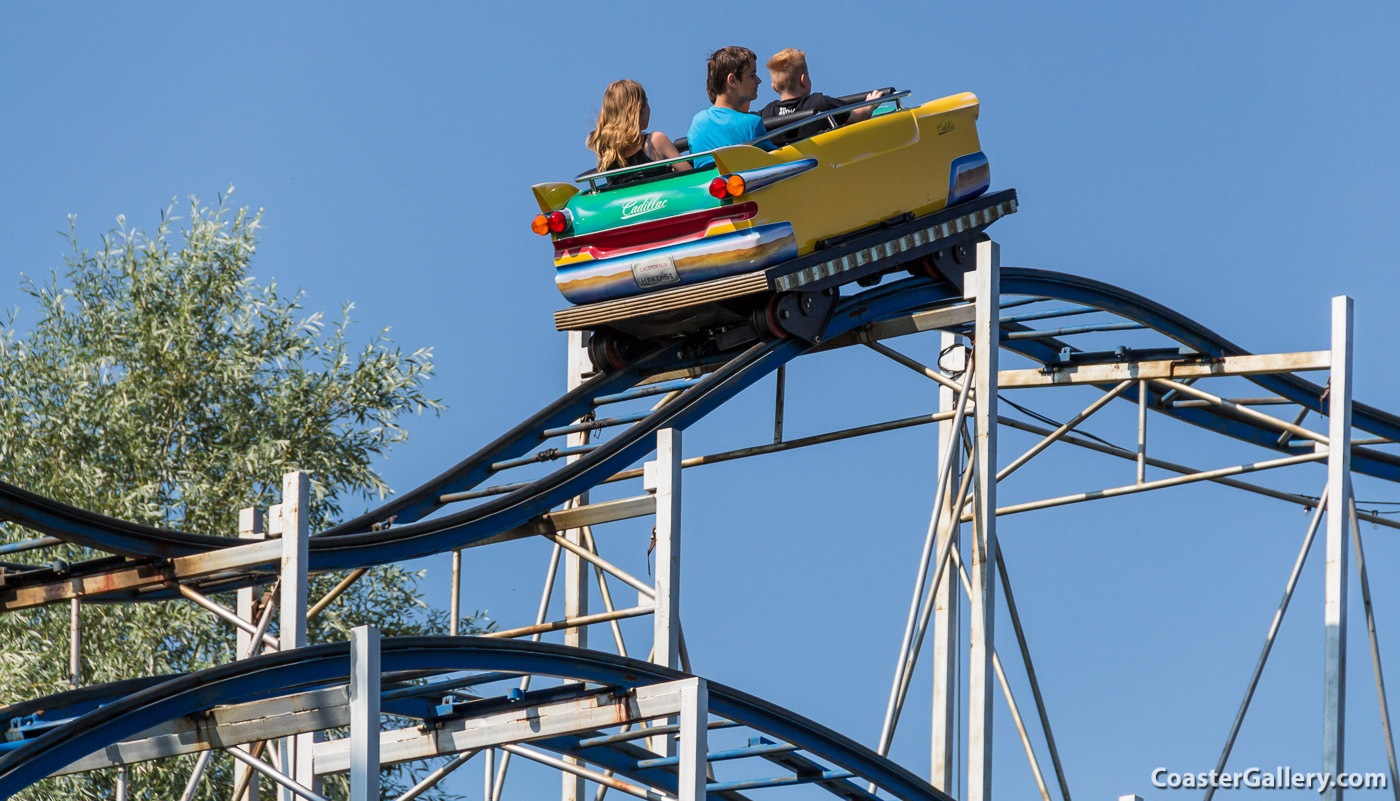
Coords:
pixel 364 698
pixel 575 568
pixel 594 729
pixel 986 341
pixel 945 616
pixel 250 527
pixel 1338 502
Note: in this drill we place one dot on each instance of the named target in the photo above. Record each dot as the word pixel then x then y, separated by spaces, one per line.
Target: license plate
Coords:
pixel 654 272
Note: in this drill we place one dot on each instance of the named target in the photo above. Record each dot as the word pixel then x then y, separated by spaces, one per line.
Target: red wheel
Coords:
pixel 770 314
pixel 924 268
pixel 610 350
pixel 615 360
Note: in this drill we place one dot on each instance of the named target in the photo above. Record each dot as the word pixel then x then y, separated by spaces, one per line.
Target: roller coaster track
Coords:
pixel 366 540
pixel 130 711
pixel 425 521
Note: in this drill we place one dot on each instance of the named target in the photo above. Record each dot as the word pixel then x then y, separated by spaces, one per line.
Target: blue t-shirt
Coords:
pixel 720 127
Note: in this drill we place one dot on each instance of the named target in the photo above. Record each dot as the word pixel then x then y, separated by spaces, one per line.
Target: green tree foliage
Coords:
pixel 161 384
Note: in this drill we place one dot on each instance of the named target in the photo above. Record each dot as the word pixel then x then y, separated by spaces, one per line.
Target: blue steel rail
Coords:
pixel 78 722
pixel 405 528
pixel 127 713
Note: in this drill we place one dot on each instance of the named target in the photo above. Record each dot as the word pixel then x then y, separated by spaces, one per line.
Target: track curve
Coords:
pixel 130 713
pixel 356 543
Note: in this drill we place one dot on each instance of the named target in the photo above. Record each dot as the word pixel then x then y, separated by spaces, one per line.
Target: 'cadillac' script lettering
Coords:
pixel 632 208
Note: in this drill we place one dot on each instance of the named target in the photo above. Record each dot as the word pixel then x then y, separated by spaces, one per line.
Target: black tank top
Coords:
pixel 636 160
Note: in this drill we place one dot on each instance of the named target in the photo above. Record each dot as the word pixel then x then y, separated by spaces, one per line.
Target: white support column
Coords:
pixel 364 714
pixel 488 775
pixel 1338 502
pixel 575 568
pixel 454 605
pixel 986 290
pixel 250 527
pixel 663 478
pixel 1142 432
pixel 694 746
pixel 296 496
pixel 945 734
pixel 75 643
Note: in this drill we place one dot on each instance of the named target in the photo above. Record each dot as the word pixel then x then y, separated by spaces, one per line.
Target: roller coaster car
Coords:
pixel 758 243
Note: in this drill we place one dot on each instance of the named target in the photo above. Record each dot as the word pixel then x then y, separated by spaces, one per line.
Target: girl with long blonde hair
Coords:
pixel 621 139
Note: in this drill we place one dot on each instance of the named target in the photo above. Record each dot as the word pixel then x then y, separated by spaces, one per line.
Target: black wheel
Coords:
pixel 610 350
pixel 767 319
pixel 925 267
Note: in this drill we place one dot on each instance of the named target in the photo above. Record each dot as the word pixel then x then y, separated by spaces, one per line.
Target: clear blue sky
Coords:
pixel 1235 161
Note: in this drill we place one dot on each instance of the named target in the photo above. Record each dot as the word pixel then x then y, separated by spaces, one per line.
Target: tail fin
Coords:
pixel 552 197
pixel 745 157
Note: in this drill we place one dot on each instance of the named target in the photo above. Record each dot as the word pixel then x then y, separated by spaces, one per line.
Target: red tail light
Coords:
pixel 555 221
pixel 726 186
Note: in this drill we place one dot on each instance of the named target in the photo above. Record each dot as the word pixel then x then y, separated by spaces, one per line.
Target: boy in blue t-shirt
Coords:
pixel 732 83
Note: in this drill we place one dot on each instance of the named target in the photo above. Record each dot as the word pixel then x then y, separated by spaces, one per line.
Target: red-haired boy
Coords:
pixel 788 72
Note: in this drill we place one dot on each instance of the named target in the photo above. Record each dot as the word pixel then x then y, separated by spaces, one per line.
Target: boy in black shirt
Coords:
pixel 788 71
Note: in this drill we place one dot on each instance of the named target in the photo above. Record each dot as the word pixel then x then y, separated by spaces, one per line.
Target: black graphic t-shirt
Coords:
pixel 816 103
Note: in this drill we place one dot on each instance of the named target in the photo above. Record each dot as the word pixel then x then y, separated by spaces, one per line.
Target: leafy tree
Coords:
pixel 162 384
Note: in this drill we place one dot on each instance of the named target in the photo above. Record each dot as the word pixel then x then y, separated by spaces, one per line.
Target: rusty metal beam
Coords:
pixel 947 317
pixel 1113 492
pixel 267 554
pixel 237 724
pixel 514 724
pixel 1166 369
pixel 815 439
pixel 602 564
pixel 1123 453
pixel 573 622
pixel 915 365
pixel 184 568
pixel 273 718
